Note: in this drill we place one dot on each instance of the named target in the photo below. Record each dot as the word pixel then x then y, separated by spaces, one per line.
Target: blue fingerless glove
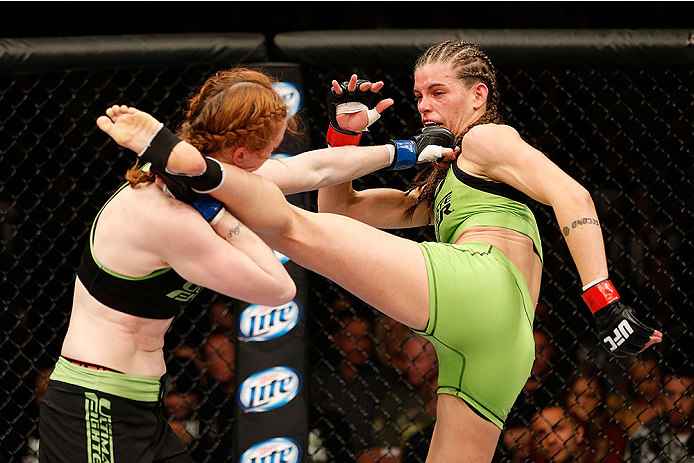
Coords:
pixel 407 152
pixel 209 208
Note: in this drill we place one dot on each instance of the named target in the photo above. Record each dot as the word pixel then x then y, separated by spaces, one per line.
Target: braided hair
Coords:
pixel 233 108
pixel 471 65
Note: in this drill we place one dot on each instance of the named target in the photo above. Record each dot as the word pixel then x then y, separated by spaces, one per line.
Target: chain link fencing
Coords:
pixel 622 131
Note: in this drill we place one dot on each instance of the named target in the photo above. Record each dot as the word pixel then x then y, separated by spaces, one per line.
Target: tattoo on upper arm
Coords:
pixel 580 222
pixel 235 231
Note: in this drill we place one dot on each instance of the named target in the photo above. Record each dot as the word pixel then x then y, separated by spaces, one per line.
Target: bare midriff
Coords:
pixel 103 336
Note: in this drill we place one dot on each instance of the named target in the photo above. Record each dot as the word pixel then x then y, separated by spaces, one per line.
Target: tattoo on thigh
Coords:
pixel 580 222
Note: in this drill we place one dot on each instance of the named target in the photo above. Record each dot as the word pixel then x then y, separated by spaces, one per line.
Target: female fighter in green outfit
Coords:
pixel 474 293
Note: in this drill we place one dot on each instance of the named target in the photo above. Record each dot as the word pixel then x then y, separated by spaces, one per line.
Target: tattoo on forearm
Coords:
pixel 235 231
pixel 580 222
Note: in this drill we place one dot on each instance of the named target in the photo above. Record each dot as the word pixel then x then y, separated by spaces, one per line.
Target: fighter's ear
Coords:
pixel 481 93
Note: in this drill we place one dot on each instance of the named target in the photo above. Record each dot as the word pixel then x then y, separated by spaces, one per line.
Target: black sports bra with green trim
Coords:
pixel 159 295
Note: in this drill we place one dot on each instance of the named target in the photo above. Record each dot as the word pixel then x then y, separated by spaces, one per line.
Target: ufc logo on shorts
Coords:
pixel 621 333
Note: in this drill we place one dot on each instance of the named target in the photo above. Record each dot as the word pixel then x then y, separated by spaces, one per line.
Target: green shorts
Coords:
pixel 480 323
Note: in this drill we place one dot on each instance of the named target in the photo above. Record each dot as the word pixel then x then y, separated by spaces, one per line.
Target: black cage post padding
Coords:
pixel 277 345
pixel 31 55
pixel 505 46
pixel 613 108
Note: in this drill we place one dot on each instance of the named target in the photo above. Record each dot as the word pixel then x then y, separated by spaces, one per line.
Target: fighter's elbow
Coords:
pixel 285 292
pixel 576 200
pixel 330 205
pixel 582 197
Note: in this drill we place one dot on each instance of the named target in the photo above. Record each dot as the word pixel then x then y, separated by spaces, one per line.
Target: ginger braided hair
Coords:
pixel 471 65
pixel 233 108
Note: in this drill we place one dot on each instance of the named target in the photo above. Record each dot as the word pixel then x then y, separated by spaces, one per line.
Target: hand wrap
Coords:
pixel 425 146
pixel 620 331
pixel 158 151
pixel 348 102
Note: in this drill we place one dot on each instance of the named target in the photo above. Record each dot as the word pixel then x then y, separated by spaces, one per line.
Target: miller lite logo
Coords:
pixel 261 323
pixel 281 257
pixel 277 450
pixel 269 389
pixel 291 95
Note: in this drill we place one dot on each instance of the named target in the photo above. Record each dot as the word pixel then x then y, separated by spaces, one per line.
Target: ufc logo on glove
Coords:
pixel 621 334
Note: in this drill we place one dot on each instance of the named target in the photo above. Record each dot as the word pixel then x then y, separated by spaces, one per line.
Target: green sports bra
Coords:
pixel 463 201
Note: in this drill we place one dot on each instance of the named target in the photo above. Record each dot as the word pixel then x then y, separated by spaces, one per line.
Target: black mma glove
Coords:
pixel 340 137
pixel 619 330
pixel 425 146
pixel 209 208
pixel 158 150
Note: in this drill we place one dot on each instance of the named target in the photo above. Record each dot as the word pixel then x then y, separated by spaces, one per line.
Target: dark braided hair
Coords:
pixel 471 65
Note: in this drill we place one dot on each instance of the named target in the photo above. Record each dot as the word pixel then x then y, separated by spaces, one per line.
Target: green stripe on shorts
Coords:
pixel 133 387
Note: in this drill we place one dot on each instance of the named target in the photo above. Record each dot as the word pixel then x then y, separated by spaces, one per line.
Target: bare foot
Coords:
pixel 134 129
pixel 129 127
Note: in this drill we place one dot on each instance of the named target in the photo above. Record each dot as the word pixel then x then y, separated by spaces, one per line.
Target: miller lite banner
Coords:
pixel 269 389
pixel 273 451
pixel 271 417
pixel 259 323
